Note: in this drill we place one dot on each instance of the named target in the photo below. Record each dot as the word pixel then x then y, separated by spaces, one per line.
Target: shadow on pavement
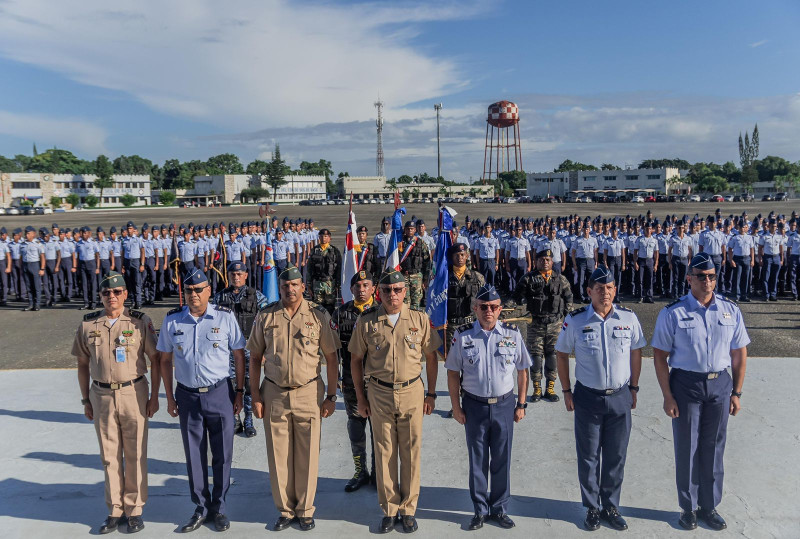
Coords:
pixel 69 417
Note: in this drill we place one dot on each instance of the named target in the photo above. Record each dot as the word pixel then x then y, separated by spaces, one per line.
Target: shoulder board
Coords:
pixel 463 327
pixel 223 309
pixel 510 326
pixel 418 309
pixel 135 314
pixel 577 311
pixel 621 308
pixel 176 310
pixel 725 298
pixel 673 303
pixel 92 316
pixel 268 305
pixel 320 308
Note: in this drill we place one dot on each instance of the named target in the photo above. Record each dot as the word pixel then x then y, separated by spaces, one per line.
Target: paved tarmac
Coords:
pixel 51 478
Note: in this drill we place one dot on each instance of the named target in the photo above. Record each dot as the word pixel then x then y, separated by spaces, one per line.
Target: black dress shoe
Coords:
pixel 592 521
pixel 477 522
pixel 83 307
pixel 611 515
pixel 503 520
pixel 221 522
pixel 712 518
pixel 387 524
pixel 195 522
pixel 137 306
pixel 282 523
pixel 238 426
pixel 649 300
pixel 135 524
pixel 688 520
pixel 409 523
pixel 306 523
pixel 109 525
pixel 35 308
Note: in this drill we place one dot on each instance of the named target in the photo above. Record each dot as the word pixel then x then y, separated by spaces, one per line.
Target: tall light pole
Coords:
pixel 438 107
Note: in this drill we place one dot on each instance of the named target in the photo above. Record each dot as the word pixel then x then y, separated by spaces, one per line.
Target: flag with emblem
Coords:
pixel 436 304
pixel 393 252
pixel 270 277
pixel 350 263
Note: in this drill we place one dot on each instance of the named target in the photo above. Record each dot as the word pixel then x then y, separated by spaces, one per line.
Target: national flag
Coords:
pixel 436 305
pixel 393 252
pixel 349 265
pixel 270 277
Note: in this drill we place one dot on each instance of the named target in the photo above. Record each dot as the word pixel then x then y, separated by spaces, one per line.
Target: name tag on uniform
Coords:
pixel 587 330
pixel 119 352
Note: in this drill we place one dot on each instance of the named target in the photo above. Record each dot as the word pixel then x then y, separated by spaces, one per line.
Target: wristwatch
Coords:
pixel 431 395
pixel 331 398
pixel 86 401
pixel 239 390
pixel 568 390
pixel 522 405
pixel 633 388
pixel 736 394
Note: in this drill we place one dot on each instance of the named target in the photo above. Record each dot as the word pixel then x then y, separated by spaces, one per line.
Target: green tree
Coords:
pixel 405 194
pixel 405 178
pixel 167 198
pixel 665 163
pixel 73 200
pixel 749 177
pixel 515 179
pixel 772 166
pixel 257 168
pixel 156 177
pixel 105 174
pixel 276 172
pixel 132 164
pixel 748 148
pixel 9 165
pixel 391 185
pixel 55 202
pixel 568 165
pixel 59 162
pixel 609 166
pixel 91 201
pixel 128 200
pixel 172 174
pixel 253 193
pixel 712 184
pixel 224 163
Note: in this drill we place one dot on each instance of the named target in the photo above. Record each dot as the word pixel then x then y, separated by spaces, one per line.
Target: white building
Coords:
pixel 607 182
pixel 227 189
pixel 41 187
pixel 376 187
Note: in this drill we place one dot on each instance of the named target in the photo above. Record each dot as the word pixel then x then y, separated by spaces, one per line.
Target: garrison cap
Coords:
pixel 3 230
pixel 702 261
pixel 99 229
pixel 543 251
pixel 291 273
pixel 392 276
pixel 145 226
pixel 236 266
pixel 54 225
pixel 191 224
pixel 420 222
pixel 29 228
pixel 215 225
pixel 601 275
pixel 194 276
pixel 112 230
pixel 43 231
pixel 163 227
pixel 487 293
pixel 112 279
pixel 130 225
pixel 17 231
pixel 172 226
pixel 360 276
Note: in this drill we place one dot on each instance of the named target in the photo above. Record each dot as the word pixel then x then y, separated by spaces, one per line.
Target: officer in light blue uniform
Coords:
pixel 646 260
pixel 712 241
pixel 482 363
pixel 5 267
pixel 17 266
pixel 52 274
pixel 679 255
pixel 33 264
pixel 198 338
pixel 614 255
pixel 742 250
pixel 116 247
pixel 88 266
pixel 793 256
pixel 518 253
pixel 234 249
pixel 696 339
pixel 584 252
pixel 607 343
pixel 486 249
pixel 133 264
pixel 149 277
pixel 770 250
pixel 187 250
pixel 106 250
pixel 68 265
pixel 280 251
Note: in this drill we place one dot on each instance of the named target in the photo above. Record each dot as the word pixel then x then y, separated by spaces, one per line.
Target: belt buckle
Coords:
pixel 202 390
pixel 115 386
pixel 713 375
pixel 491 400
pixel 397 386
pixel 610 391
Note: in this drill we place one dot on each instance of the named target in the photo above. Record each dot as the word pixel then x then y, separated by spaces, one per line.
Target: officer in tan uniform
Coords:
pixel 393 339
pixel 110 346
pixel 287 337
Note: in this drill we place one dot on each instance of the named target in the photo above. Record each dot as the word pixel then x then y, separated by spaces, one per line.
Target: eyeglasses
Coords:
pixel 198 290
pixel 485 307
pixel 392 289
pixel 705 276
pixel 116 291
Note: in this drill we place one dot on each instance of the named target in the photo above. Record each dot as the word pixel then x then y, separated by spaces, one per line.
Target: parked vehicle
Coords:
pixel 717 198
pixel 694 198
pixel 649 198
pixel 780 197
pixel 637 198
pixel 728 198
pixel 766 198
pixel 12 211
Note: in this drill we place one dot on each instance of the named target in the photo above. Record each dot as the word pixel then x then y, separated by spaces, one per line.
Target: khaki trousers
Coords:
pixel 292 423
pixel 397 432
pixel 120 420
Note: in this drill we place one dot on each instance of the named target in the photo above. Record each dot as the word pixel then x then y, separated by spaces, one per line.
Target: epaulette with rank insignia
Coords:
pixel 92 316
pixel 136 314
pixel 509 326
pixel 224 309
pixel 621 308
pixel 577 311
pixel 729 300
pixel 268 305
pixel 463 327
pixel 420 309
pixel 176 310
pixel 673 303
pixel 320 308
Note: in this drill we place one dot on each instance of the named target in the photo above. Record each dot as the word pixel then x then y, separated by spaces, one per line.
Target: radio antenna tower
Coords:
pixel 379 157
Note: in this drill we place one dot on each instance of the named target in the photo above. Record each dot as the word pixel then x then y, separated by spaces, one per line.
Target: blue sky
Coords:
pixel 612 81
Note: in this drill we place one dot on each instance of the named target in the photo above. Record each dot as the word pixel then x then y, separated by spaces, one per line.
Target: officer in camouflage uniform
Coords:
pixel 462 287
pixel 344 318
pixel 549 299
pixel 416 266
pixel 324 270
pixel 366 253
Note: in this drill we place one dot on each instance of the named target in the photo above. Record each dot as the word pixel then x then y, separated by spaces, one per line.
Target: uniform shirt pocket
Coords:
pixel 621 338
pixel 689 329
pixel 471 357
pixel 591 339
pixel 506 356
pixel 216 341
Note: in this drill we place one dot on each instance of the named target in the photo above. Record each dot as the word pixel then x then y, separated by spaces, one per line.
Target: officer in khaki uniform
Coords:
pixel 393 338
pixel 287 337
pixel 110 346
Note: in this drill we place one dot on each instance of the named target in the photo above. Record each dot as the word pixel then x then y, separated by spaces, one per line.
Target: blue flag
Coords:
pixel 270 277
pixel 393 252
pixel 437 291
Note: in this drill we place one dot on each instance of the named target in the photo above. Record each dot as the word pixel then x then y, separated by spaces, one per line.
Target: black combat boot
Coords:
pixel 361 475
pixel 550 393
pixel 537 391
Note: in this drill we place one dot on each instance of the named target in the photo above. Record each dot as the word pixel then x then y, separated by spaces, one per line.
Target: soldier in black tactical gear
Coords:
pixel 415 265
pixel 324 271
pixel 548 296
pixel 244 302
pixel 344 318
pixel 366 253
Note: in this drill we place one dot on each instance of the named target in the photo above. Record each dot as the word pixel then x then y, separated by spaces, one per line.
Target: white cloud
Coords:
pixel 241 65
pixel 74 134
pixel 758 43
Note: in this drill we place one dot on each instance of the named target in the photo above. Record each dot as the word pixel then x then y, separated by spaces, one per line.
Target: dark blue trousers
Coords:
pixel 645 278
pixel 34 282
pixel 490 430
pixel 133 279
pixel 149 278
pixel 769 274
pixel 699 434
pixel 584 269
pixel 517 267
pixel 717 260
pixel 207 420
pixel 679 284
pixel 602 431
pixel 67 278
pixel 741 277
pixel 615 267
pixel 87 269
pixel 486 267
pixel 794 273
pixel 4 280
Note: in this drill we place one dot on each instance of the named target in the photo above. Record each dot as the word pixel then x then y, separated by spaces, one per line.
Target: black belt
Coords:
pixel 205 389
pixel 701 375
pixel 399 385
pixel 117 386
pixel 604 392
pixel 488 400
pixel 294 387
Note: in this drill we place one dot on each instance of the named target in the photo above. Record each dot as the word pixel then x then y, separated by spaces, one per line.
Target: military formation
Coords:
pixel 227 351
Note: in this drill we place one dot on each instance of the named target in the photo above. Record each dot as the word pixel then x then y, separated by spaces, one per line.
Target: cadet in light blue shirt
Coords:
pixel 607 341
pixel 187 250
pixel 698 337
pixel 486 249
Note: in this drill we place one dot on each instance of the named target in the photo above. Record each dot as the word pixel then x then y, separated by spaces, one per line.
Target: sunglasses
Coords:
pixel 485 307
pixel 392 289
pixel 197 290
pixel 705 276
pixel 116 291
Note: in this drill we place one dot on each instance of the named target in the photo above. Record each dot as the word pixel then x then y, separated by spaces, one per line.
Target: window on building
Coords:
pixel 610 178
pixel 654 176
pixel 25 185
pixel 589 178
pixel 632 177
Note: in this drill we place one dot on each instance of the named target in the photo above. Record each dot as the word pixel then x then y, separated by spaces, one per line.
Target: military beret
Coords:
pixel 702 261
pixel 487 293
pixel 291 273
pixel 602 275
pixel 99 229
pixel 543 251
pixel 231 226
pixel 29 228
pixel 410 224
pixel 456 248
pixel 112 279
pixel 112 230
pixel 130 225
pixel 237 266
pixel 360 276
pixel 392 276
pixel 361 228
pixel 324 231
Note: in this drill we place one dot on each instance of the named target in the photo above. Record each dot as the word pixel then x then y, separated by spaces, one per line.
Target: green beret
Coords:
pixel 392 276
pixel 290 273
pixel 113 280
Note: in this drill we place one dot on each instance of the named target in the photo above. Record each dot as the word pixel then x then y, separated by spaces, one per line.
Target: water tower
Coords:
pixel 502 151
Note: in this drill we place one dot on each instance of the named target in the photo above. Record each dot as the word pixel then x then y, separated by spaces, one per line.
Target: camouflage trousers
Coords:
pixel 415 291
pixel 323 293
pixel 357 425
pixel 248 399
pixel 541 343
